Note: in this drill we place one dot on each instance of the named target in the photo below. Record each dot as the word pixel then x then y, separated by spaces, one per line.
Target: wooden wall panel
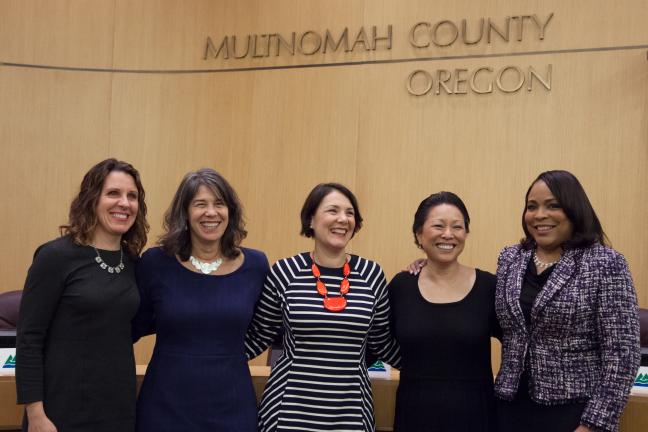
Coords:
pixel 275 133
pixel 53 127
pixel 72 33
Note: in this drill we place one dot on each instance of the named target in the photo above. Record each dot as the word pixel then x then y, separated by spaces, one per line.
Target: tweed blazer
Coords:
pixel 582 343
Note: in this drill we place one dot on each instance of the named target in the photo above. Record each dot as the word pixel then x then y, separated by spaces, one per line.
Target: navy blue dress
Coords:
pixel 198 378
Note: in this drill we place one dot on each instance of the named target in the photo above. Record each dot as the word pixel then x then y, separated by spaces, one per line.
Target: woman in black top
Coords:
pixel 75 369
pixel 568 310
pixel 443 319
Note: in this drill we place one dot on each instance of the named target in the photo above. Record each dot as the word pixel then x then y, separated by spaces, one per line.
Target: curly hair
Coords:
pixel 82 219
pixel 176 239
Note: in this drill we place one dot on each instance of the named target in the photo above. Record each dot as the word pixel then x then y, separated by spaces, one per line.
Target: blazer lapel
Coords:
pixel 557 280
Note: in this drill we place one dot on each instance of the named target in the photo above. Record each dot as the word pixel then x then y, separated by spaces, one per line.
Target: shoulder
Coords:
pixel 485 278
pixel 365 266
pixel 600 253
pixel 510 252
pixel 601 257
pixel 291 266
pixel 403 278
pixel 255 257
pixel 57 249
pixel 299 260
pixel 402 282
pixel 153 258
pixel 154 254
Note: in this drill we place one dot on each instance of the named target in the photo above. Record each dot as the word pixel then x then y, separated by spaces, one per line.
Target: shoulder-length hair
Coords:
pixel 82 219
pixel 315 198
pixel 566 188
pixel 176 239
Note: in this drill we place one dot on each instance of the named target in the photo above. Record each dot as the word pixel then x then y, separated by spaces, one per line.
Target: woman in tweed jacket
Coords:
pixel 567 307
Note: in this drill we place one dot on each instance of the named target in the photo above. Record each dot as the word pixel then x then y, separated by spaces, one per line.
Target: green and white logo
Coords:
pixel 10 363
pixel 642 380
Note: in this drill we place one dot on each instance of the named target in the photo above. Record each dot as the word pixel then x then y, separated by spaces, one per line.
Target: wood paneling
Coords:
pixel 276 133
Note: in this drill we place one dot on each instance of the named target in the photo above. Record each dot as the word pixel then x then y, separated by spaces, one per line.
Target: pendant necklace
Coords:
pixel 110 269
pixel 205 267
pixel 333 304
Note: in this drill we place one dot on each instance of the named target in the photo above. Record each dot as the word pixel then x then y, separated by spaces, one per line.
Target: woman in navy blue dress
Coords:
pixel 198 290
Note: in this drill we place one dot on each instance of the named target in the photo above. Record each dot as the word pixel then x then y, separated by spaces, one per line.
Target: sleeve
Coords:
pixel 44 286
pixel 267 321
pixel 380 339
pixel 618 329
pixel 495 328
pixel 143 323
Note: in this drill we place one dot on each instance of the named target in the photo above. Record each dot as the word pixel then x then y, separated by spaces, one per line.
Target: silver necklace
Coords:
pixel 205 267
pixel 116 269
pixel 543 265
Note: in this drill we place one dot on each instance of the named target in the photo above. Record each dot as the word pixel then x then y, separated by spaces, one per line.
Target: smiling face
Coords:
pixel 545 219
pixel 208 216
pixel 116 209
pixel 443 234
pixel 333 222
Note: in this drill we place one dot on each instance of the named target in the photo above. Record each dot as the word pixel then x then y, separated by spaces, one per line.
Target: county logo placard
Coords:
pixel 642 379
pixel 10 363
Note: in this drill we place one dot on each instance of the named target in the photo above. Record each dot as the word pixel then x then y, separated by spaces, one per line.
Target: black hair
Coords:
pixel 568 191
pixel 314 199
pixel 432 201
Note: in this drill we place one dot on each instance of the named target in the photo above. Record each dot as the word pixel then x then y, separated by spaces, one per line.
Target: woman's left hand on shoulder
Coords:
pixel 582 428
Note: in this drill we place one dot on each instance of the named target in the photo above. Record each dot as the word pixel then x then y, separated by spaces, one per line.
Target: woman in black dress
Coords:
pixel 443 318
pixel 75 369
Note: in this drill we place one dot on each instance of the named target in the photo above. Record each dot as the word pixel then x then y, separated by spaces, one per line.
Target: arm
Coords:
pixel 618 329
pixel 267 320
pixel 43 289
pixel 38 421
pixel 495 328
pixel 381 341
pixel 144 321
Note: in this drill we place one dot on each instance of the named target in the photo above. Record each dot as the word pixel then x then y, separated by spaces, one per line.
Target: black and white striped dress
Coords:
pixel 321 382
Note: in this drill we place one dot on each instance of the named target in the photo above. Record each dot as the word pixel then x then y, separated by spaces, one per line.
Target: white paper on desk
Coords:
pixel 379 370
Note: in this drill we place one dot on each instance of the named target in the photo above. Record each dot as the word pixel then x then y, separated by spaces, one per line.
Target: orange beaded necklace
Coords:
pixel 333 304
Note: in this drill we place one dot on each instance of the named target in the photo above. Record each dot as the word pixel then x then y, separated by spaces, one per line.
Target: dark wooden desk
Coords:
pixel 635 417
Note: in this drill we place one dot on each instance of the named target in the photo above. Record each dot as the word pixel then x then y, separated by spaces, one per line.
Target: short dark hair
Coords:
pixel 314 199
pixel 177 238
pixel 568 191
pixel 82 219
pixel 432 201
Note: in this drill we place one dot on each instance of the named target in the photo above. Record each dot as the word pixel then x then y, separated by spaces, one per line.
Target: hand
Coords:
pixel 38 421
pixel 416 266
pixel 582 428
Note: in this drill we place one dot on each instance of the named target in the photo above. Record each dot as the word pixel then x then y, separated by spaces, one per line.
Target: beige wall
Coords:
pixel 275 133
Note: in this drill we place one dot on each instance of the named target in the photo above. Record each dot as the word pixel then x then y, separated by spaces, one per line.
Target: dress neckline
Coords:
pixel 453 303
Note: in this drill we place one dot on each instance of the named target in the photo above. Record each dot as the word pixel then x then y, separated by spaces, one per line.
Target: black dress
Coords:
pixel 74 348
pixel 446 376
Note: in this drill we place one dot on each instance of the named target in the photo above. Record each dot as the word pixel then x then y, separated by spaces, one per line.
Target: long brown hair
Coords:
pixel 82 219
pixel 176 239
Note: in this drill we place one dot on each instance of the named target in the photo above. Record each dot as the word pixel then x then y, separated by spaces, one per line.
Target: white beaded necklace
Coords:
pixel 205 267
pixel 543 265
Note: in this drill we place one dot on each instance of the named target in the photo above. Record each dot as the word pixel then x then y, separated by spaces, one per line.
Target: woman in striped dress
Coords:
pixel 333 307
